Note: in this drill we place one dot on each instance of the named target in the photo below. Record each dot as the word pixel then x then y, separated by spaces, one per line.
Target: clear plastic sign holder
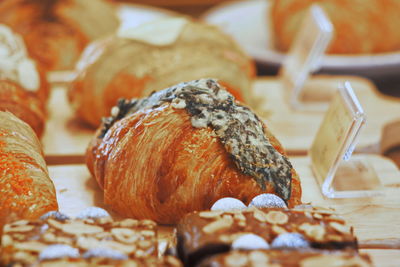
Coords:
pixel 304 57
pixel 339 174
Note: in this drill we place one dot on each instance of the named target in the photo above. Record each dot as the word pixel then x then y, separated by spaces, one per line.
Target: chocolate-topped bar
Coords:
pixel 150 261
pixel 200 234
pixel 292 258
pixel 90 236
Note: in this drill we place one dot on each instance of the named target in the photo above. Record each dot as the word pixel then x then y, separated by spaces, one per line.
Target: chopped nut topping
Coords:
pixel 129 223
pixel 218 225
pixel 30 246
pixel 277 217
pixel 240 217
pixel 278 230
pixel 79 228
pixel 236 259
pixel 124 235
pixel 55 224
pixel 258 258
pixel 314 231
pixel 318 216
pixel 147 233
pixel 21 228
pixel 144 244
pixel 6 240
pixel 341 228
pixel 259 215
pixel 210 214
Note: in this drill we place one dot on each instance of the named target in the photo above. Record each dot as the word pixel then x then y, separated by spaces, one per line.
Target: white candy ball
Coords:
pixel 58 251
pixel 92 213
pixel 228 203
pixel 267 201
pixel 290 240
pixel 250 242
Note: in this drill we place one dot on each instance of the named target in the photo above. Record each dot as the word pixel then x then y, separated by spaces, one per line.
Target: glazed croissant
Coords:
pixel 138 61
pixel 368 26
pixel 183 148
pixel 56 31
pixel 23 86
pixel 25 187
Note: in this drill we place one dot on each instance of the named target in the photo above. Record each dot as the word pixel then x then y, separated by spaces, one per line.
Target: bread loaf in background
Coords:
pixel 56 31
pixel 361 26
pixel 138 61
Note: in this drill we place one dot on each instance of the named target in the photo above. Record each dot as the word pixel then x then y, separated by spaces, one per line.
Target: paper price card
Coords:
pixel 338 175
pixel 306 53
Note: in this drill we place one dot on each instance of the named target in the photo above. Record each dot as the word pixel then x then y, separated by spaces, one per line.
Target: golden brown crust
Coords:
pixel 201 51
pixel 154 164
pixel 25 187
pixel 56 32
pixel 359 25
pixel 23 104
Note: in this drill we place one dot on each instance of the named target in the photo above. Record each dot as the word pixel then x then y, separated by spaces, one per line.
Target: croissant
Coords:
pixel 23 86
pixel 56 31
pixel 25 187
pixel 152 57
pixel 364 27
pixel 183 148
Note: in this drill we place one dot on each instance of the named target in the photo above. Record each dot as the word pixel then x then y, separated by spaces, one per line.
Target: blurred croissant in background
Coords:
pixel 56 31
pixel 23 86
pixel 155 56
pixel 361 26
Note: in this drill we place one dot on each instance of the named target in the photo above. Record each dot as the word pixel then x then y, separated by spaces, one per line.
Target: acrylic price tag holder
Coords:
pixel 339 174
pixel 304 57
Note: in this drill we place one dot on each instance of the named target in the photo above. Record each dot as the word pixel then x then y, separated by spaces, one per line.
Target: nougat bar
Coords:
pixel 56 236
pixel 201 234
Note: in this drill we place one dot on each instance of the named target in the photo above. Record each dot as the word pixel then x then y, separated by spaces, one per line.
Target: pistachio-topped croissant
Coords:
pixel 152 57
pixel 183 148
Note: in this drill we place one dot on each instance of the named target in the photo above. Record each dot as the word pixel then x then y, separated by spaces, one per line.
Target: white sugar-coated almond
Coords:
pixel 250 242
pixel 227 204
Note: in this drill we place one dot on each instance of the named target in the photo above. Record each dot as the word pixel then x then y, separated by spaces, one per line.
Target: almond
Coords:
pixel 210 214
pixel 129 223
pixel 341 228
pixel 218 225
pixel 315 231
pixel 34 246
pixel 79 228
pixel 125 235
pixel 277 217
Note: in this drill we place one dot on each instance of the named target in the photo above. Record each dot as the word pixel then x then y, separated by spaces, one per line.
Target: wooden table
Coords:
pixel 296 129
pixel 375 220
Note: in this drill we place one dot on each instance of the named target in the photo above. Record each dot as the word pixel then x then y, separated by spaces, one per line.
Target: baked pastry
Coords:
pixel 56 31
pixel 23 104
pixel 287 258
pixel 91 239
pixel 201 234
pixel 361 27
pixel 25 187
pixel 23 87
pixel 17 66
pixel 152 57
pixel 183 148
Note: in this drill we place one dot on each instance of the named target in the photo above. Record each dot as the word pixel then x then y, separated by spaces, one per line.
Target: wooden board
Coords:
pixel 296 130
pixel 375 220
